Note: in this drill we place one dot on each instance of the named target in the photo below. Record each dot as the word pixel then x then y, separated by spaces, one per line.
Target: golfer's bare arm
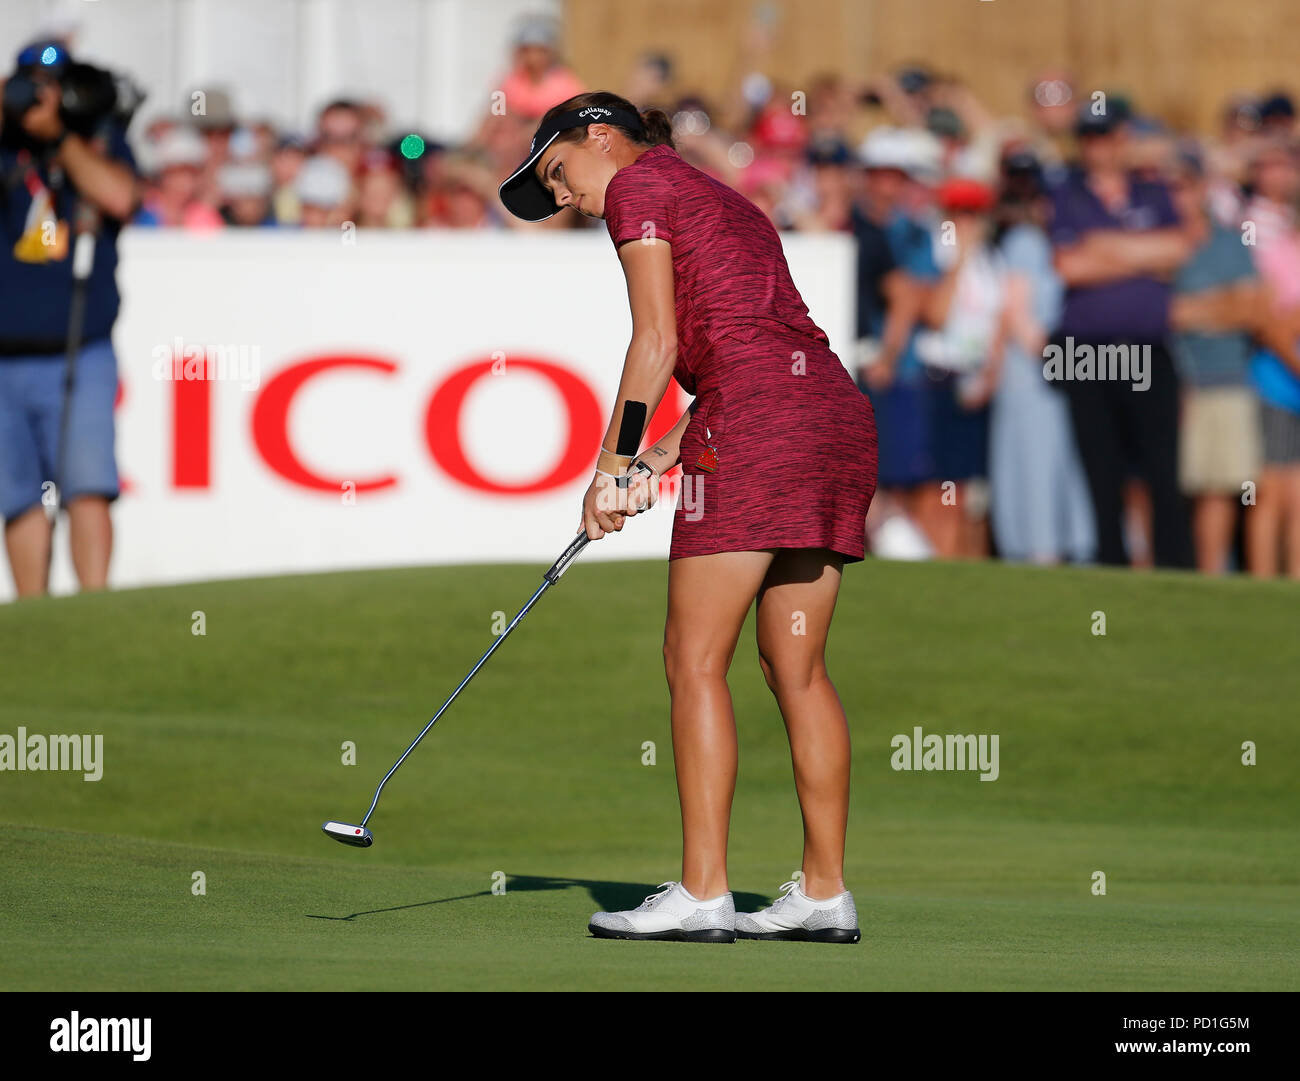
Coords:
pixel 652 353
pixel 668 451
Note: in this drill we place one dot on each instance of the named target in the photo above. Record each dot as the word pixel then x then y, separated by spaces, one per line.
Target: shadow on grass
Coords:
pixel 609 896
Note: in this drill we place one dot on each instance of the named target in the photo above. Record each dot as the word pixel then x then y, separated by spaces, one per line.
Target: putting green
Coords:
pixel 529 806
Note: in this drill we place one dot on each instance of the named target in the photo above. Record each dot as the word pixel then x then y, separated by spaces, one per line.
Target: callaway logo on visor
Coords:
pixel 523 193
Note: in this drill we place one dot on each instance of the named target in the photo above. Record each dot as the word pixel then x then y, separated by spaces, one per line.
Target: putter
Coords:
pixel 629 436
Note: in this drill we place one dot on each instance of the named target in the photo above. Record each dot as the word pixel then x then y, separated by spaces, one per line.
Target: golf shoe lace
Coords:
pixel 664 889
pixel 787 889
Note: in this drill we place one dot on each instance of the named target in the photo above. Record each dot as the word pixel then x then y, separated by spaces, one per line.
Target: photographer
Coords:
pixel 67 183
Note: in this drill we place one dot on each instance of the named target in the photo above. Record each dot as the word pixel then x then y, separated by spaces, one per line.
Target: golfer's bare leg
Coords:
pixel 708 599
pixel 91 538
pixel 27 540
pixel 795 605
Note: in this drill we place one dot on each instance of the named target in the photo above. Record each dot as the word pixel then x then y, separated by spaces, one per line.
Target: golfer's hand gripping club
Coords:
pixel 613 498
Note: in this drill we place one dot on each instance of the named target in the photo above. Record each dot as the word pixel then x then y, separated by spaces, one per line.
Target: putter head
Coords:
pixel 348 834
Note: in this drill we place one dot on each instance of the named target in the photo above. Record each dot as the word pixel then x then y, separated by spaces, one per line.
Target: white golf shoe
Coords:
pixel 794 916
pixel 671 914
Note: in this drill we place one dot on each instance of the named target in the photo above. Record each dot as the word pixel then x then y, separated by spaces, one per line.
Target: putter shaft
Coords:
pixel 549 578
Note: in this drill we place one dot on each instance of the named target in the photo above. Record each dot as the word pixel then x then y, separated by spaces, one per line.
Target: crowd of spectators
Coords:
pixel 986 239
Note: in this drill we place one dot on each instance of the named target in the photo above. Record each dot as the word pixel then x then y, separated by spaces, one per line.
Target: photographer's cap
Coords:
pixel 522 192
pixel 49 56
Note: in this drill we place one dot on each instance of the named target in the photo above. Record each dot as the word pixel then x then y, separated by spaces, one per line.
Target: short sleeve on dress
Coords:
pixel 640 204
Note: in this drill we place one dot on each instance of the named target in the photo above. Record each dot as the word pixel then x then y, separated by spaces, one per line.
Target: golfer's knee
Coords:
pixel 790 674
pixel 685 662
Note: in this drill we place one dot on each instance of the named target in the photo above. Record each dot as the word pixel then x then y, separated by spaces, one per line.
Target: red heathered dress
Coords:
pixel 793 459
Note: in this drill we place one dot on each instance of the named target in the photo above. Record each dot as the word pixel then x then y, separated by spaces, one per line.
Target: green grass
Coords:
pixel 222 755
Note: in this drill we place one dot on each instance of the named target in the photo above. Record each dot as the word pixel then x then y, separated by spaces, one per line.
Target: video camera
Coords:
pixel 91 98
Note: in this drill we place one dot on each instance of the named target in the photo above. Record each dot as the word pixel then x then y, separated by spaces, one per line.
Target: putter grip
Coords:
pixel 629 440
pixel 570 553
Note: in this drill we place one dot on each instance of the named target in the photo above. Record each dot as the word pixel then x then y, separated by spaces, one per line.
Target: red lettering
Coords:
pixel 191 428
pixel 443 435
pixel 271 423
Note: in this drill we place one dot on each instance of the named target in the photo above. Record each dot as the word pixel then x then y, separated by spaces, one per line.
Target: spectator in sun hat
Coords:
pixel 211 113
pixel 173 196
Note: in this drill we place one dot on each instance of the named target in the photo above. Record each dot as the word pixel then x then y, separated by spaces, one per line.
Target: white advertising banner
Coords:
pixel 299 401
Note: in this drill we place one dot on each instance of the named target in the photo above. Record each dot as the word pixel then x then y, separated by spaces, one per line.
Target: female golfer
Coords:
pixel 778 455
